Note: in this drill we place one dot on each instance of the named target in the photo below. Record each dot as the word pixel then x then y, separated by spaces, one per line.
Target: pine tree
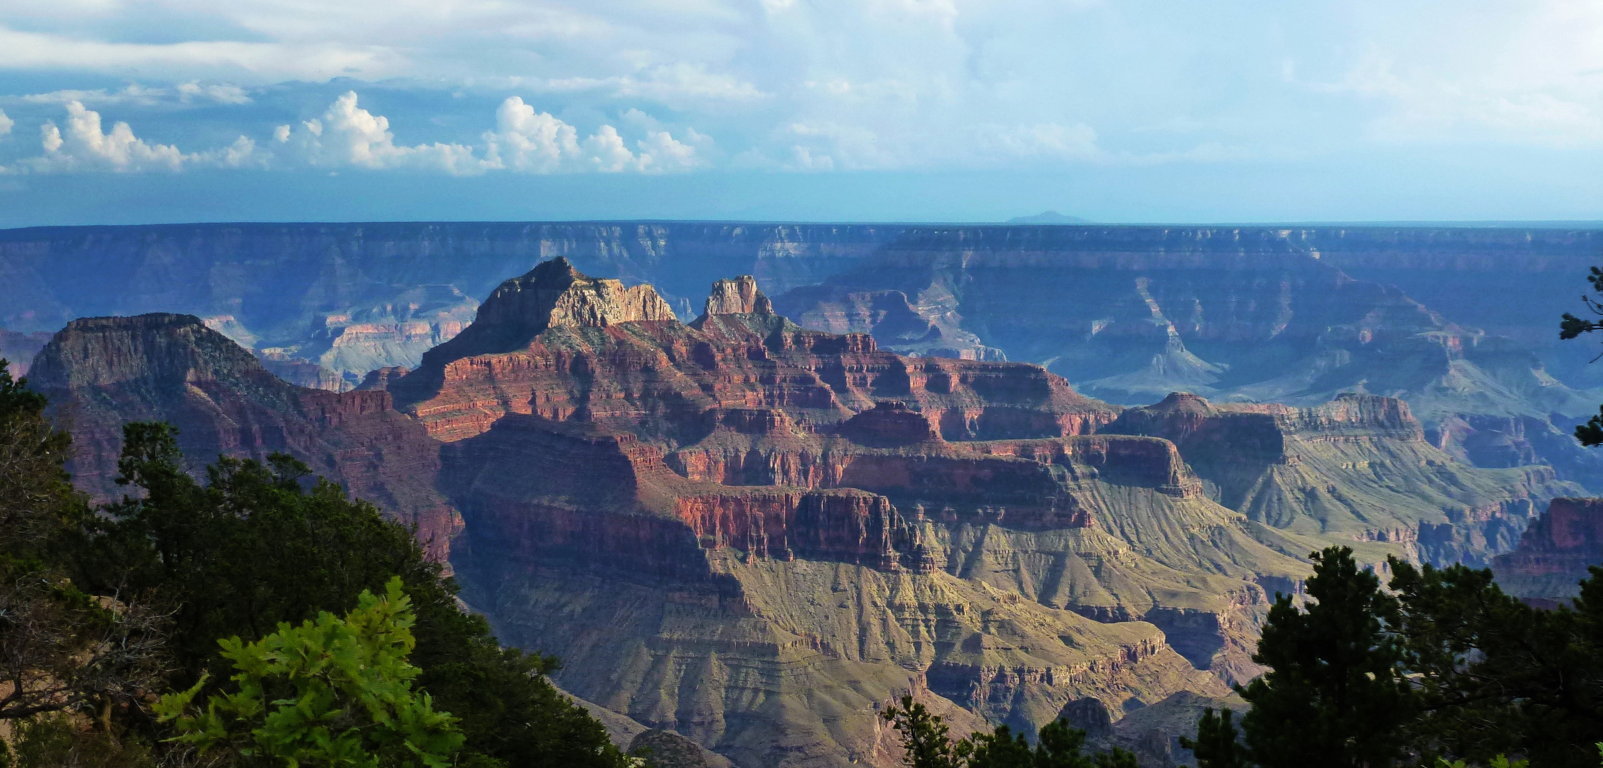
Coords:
pixel 1335 695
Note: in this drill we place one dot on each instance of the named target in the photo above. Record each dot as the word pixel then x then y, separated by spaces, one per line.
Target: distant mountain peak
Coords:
pixel 1048 217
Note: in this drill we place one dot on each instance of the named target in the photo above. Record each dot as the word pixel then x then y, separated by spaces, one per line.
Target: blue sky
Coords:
pixel 122 111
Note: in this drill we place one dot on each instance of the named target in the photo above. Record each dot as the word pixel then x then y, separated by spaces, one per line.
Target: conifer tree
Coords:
pixel 1335 695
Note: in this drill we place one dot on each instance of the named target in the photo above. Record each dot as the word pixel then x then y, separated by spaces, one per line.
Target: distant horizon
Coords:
pixel 1557 224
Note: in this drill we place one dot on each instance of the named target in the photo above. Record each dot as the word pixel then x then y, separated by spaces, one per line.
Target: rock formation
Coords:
pixel 754 535
pixel 796 526
pixel 739 296
pixel 1553 556
pixel 101 373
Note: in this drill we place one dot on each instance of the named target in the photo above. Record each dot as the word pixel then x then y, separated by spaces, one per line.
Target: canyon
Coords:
pixel 1459 322
pixel 755 533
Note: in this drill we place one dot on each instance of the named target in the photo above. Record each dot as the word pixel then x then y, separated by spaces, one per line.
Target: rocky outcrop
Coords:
pixel 1554 554
pixel 101 373
pixel 739 296
pixel 643 373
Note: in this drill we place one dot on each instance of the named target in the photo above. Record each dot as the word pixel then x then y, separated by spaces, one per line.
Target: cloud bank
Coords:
pixel 348 136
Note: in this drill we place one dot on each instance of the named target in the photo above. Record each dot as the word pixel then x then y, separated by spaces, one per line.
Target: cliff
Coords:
pixel 101 373
pixel 1554 554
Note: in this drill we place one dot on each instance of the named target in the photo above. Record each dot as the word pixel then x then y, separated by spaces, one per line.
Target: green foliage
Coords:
pixel 928 744
pixel 251 548
pixel 1218 744
pixel 1497 677
pixel 38 507
pixel 1570 327
pixel 1336 692
pixel 331 692
pixel 1500 761
pixel 925 736
pixel 61 649
pixel 1446 670
pixel 258 544
pixel 54 741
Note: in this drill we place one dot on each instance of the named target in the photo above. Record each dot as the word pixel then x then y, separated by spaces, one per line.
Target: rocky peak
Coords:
pixel 164 349
pixel 553 295
pixel 737 296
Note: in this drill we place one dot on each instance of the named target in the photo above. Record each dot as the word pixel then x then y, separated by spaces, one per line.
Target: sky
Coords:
pixel 1184 111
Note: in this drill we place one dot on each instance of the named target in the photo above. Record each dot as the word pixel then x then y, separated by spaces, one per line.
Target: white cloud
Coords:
pixel 82 144
pixel 346 135
pixel 1054 141
pixel 1518 74
pixel 6 123
pixel 349 136
pixel 221 93
pixel 244 60
pixel 605 151
pixel 85 145
pixel 680 83
pixel 530 141
pixel 138 95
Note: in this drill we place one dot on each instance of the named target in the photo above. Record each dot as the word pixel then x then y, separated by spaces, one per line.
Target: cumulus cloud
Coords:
pixel 531 141
pixel 349 136
pixel 81 143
